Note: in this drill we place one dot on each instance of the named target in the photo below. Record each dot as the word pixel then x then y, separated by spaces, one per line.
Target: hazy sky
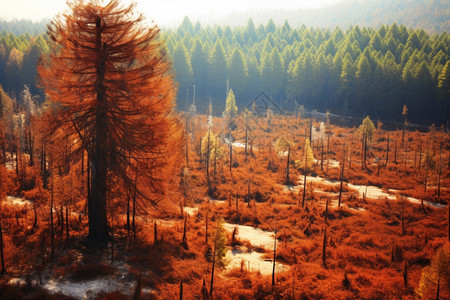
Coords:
pixel 164 12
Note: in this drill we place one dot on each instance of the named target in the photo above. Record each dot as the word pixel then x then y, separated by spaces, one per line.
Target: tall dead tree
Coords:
pixel 108 73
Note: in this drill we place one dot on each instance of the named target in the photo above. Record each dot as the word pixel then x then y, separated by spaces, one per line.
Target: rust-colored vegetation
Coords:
pixel 356 212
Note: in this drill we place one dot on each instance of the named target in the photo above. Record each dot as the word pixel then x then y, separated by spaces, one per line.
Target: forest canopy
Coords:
pixel 355 72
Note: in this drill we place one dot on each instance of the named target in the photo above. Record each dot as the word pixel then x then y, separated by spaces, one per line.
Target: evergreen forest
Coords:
pixel 355 72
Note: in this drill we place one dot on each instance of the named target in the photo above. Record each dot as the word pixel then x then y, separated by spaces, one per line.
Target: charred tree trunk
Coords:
pixel 67 222
pixel 206 228
pixel 128 214
pixel 387 150
pixel 288 181
pixel 181 289
pixel 420 158
pixel 133 221
pixel 215 157
pixel 88 183
pixel 274 257
pixel 3 271
pixel 212 270
pixel 248 193
pixel 304 190
pixel 187 143
pixel 98 228
pixel 184 241
pixel 324 248
pixel 231 154
pixel 342 179
pixel 35 216
pixel 402 217
pixel 395 152
pixel 155 233
pixel 61 211
pixel 52 230
pixel 207 159
pixel 321 157
pixel 405 273
pixel 246 140
pixel 44 167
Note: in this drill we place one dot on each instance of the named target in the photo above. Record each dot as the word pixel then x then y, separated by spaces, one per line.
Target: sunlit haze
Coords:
pixel 166 13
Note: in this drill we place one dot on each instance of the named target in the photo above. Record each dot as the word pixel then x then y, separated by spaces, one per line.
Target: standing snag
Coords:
pixel 110 83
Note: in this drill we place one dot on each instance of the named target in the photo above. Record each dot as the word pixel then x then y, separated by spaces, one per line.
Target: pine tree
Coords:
pixel 108 72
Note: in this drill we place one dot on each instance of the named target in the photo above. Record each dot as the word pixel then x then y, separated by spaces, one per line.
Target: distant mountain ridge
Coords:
pixel 433 16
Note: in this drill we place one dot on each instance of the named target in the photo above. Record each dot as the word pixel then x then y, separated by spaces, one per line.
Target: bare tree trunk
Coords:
pixel 402 216
pixel 35 216
pixel 3 271
pixel 231 154
pixel 52 231
pixel 321 158
pixel 61 211
pixel 248 193
pixel 67 222
pixel 274 257
pixel 405 273
pixel 133 222
pixel 184 241
pixel 387 150
pixel 246 139
pixel 324 248
pixel 342 178
pixel 98 228
pixel 406 155
pixel 420 157
pixel 206 228
pixel 287 166
pixel 395 152
pixel 155 233
pixel 207 159
pixel 212 270
pixel 304 190
pixel 215 157
pixel 187 144
pixel 128 214
pixel 181 289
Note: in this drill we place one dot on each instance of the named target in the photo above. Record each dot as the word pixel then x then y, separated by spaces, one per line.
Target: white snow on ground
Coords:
pixel 190 211
pixel 89 288
pixel 238 145
pixel 253 262
pixel 372 192
pixel 331 163
pixel 256 236
pixel 11 200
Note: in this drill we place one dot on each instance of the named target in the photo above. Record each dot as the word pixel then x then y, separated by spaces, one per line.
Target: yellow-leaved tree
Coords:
pixel 435 280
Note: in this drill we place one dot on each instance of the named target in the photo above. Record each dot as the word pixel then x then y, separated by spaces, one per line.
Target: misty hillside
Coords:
pixel 432 16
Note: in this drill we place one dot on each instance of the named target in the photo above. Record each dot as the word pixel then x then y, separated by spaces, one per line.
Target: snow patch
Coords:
pixel 16 201
pixel 253 262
